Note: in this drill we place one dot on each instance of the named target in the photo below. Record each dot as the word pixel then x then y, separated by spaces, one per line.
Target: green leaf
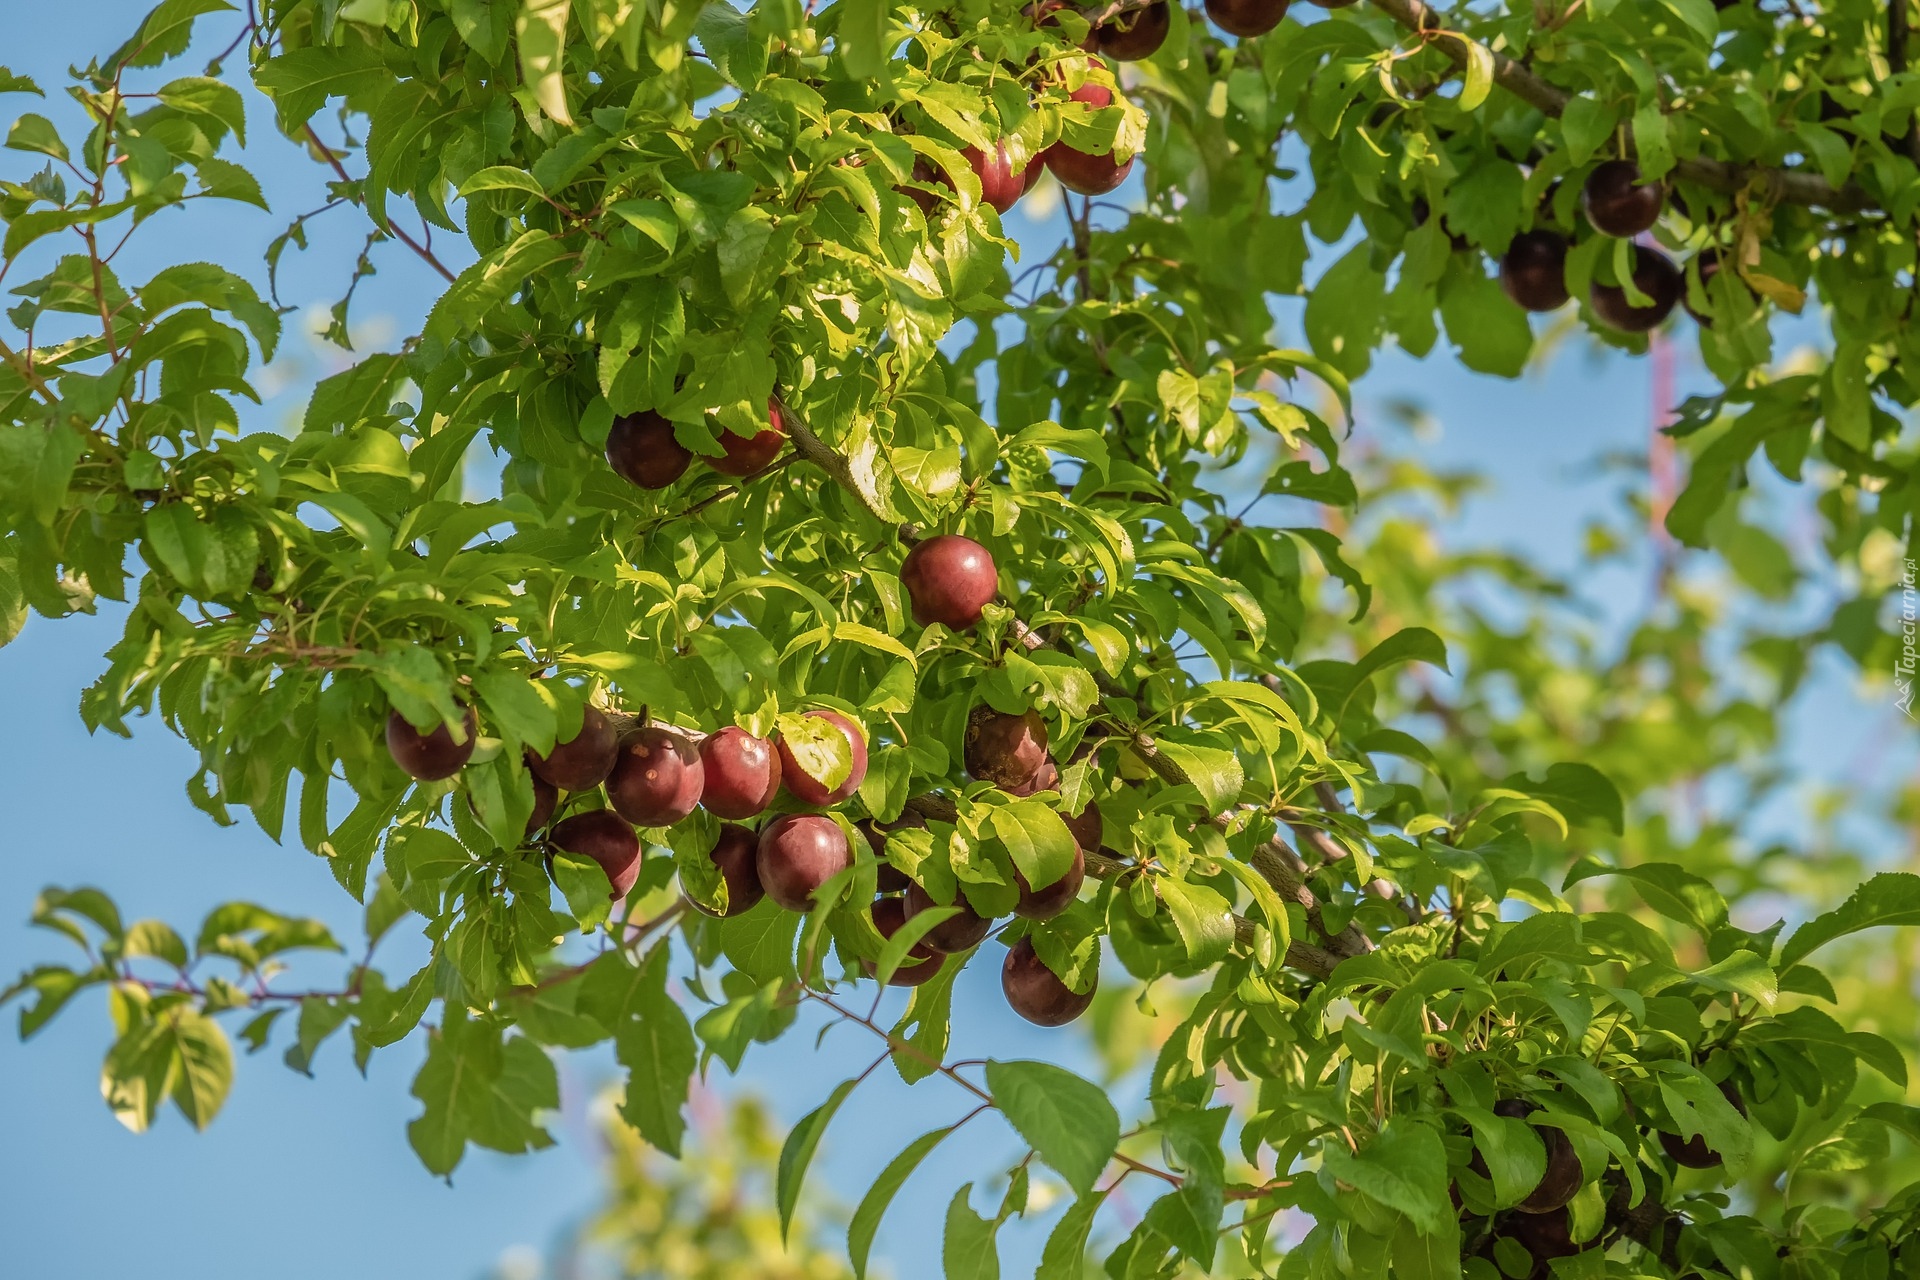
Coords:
pixel 501 177
pixel 656 1046
pixel 1069 1122
pixel 542 28
pixel 1579 791
pixel 926 1025
pixel 165 32
pixel 1492 334
pixel 205 1066
pixel 1203 918
pixel 1668 888
pixel 11 83
pixel 1189 1216
pixel 1065 1254
pixel 968 1250
pixel 486 25
pixel 515 709
pixel 1586 125
pixel 1404 1167
pixel 1215 773
pixel 205 96
pixel 584 884
pixel 1515 1157
pixel 1699 1109
pixel 797 1154
pixel 157 939
pixel 873 1205
pixel 1651 141
pixel 1039 841
pixel 1478 82
pixel 640 354
pixel 301 80
pixel 863 30
pixel 1890 898
pixel 1427 1255
pixel 36 133
pixel 490 281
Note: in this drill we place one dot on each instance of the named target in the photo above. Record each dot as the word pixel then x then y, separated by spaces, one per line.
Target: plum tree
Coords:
pixel 1325 883
pixel 658 778
pixel 740 774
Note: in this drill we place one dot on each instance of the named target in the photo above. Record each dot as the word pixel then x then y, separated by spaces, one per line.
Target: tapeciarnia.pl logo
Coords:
pixel 1903 669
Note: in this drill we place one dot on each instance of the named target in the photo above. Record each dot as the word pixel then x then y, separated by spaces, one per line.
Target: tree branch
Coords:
pixel 827 458
pixel 1789 186
pixel 1103 864
pixel 425 253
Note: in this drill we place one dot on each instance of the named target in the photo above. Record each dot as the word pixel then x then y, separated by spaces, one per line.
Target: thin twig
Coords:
pixel 388 227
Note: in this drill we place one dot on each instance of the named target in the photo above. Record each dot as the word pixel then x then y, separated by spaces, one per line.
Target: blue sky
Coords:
pixel 313 1178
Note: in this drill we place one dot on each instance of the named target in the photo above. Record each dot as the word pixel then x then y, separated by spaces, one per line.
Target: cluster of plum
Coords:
pixel 1541 1223
pixel 1617 203
pixel 642 449
pixel 655 775
pixel 1009 751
